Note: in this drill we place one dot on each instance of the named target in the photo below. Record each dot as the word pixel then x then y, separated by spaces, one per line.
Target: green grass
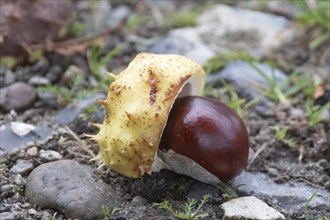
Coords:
pixel 227 191
pixel 274 90
pixel 188 211
pixel 52 217
pixel 65 93
pixel 135 21
pixel 315 14
pixel 3 165
pixel 229 96
pixel 281 135
pixel 107 212
pixel 182 19
pixel 98 59
pixel 307 217
pixel 219 61
pixel 283 91
pixel 77 29
pixel 314 111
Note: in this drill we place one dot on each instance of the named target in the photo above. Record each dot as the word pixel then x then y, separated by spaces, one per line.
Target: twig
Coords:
pixel 258 152
pixel 309 183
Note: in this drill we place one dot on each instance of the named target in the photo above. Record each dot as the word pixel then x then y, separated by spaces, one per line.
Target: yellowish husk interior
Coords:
pixel 137 107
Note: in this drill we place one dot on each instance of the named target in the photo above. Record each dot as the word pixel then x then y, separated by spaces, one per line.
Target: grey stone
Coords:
pixel 10 141
pixel 249 207
pixel 290 196
pixel 139 200
pixel 4 207
pixel 9 78
pixel 7 216
pixel 40 67
pixel 198 190
pixel 19 180
pixel 22 167
pixel 54 73
pixel 71 188
pixel 100 18
pixel 48 98
pixel 119 14
pixel 296 113
pixel 17 96
pixel 70 112
pixel 246 78
pixel 7 188
pixel 49 155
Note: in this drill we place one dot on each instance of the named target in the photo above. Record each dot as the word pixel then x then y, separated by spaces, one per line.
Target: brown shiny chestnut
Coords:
pixel 209 133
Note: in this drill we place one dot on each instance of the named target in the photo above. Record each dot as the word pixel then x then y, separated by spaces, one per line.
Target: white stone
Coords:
pixel 227 28
pixel 21 129
pixel 222 29
pixel 249 207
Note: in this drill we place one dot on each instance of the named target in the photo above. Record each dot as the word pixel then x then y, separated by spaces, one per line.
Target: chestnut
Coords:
pixel 154 120
pixel 209 133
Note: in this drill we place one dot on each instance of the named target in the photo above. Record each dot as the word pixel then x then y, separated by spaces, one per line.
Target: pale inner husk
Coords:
pixel 138 105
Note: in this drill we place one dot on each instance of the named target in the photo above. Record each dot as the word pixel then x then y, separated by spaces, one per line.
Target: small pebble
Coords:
pixel 49 155
pixel 4 207
pixel 7 216
pixel 33 151
pixel 272 171
pixel 19 180
pixel 48 98
pixel 120 13
pixel 70 75
pixel 32 211
pixel 7 77
pixel 327 185
pixel 39 81
pixel 7 188
pixel 22 167
pixel 139 200
pixel 297 113
pixel 54 73
pixel 17 96
pixel 40 67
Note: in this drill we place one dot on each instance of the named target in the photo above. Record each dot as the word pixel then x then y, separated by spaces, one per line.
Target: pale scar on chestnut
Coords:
pixel 145 128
